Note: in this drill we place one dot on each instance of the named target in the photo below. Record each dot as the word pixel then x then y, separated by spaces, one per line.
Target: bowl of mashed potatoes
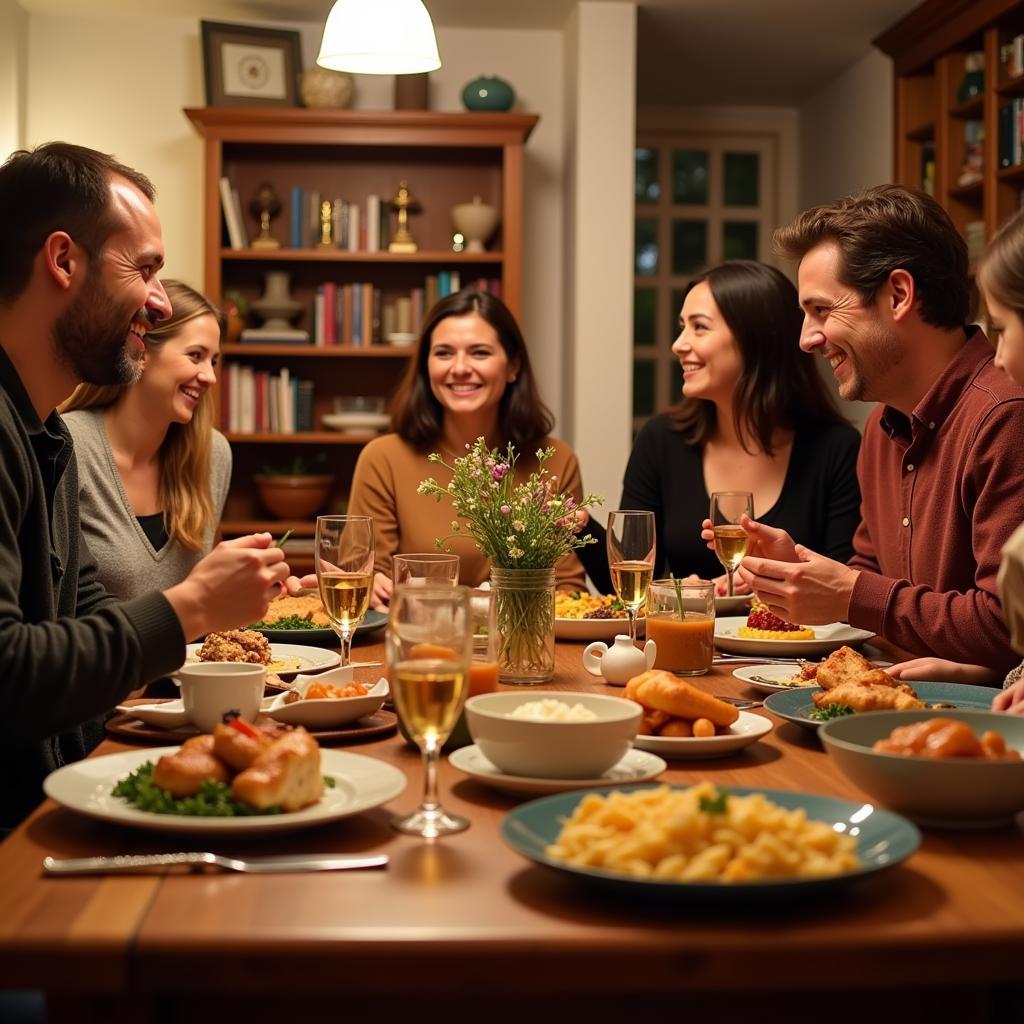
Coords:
pixel 553 734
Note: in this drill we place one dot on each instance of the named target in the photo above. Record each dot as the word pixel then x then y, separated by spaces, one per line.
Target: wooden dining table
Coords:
pixel 467 925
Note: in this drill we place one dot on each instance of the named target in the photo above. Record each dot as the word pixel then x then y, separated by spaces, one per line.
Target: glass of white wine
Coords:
pixel 631 558
pixel 344 572
pixel 727 509
pixel 429 648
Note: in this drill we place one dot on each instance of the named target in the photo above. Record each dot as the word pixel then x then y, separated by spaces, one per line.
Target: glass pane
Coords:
pixel 646 242
pixel 643 387
pixel 739 240
pixel 741 179
pixel 644 316
pixel 689 177
pixel 647 188
pixel 675 383
pixel 689 245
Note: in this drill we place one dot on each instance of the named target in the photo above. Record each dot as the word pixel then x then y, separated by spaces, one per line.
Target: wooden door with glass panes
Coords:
pixel 700 199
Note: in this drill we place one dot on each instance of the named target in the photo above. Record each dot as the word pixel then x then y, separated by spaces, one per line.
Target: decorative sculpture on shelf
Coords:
pixel 326 226
pixel 403 203
pixel 265 206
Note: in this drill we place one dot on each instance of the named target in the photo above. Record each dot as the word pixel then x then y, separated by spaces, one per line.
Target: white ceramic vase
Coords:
pixel 476 222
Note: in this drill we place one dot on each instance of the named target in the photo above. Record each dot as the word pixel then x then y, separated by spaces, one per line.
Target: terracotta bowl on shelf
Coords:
pixel 294 497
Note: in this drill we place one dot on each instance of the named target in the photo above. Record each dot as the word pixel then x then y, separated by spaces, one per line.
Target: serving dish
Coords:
pixel 884 840
pixel 827 638
pixel 360 783
pixel 796 705
pixel 595 629
pixel 324 636
pixel 636 766
pixel 951 792
pixel 325 712
pixel 747 729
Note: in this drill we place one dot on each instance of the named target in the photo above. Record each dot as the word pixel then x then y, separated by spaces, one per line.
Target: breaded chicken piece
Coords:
pixel 184 772
pixel 286 775
pixel 238 749
pixel 305 607
pixel 873 691
pixel 841 666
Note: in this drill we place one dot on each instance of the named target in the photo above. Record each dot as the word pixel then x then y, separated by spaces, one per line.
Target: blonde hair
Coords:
pixel 185 454
pixel 1001 267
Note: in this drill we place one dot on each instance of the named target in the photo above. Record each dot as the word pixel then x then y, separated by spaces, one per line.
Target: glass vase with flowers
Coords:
pixel 523 530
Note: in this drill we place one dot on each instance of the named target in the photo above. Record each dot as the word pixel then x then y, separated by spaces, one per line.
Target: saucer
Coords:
pixel 166 714
pixel 636 766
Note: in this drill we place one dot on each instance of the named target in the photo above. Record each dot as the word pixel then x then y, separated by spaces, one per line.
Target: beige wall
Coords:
pixel 13 60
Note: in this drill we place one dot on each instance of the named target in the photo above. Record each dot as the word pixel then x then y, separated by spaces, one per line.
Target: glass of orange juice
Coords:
pixel 681 621
pixel 483 670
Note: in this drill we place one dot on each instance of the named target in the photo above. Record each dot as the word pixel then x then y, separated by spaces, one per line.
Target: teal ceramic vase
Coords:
pixel 488 93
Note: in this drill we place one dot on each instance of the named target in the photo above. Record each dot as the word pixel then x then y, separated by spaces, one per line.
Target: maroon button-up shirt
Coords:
pixel 941 492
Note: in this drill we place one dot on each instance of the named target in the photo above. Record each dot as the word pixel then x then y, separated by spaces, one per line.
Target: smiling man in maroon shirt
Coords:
pixel 884 287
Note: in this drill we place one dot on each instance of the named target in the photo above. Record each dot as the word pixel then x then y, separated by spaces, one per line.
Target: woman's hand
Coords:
pixel 295 586
pixel 380 597
pixel 1011 699
pixel 940 670
pixel 739 587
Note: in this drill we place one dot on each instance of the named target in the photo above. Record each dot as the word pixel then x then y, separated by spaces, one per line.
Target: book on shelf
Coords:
pixel 296 218
pixel 232 215
pixel 274 336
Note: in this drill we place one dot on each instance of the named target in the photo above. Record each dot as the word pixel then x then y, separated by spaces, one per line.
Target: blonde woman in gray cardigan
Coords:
pixel 153 473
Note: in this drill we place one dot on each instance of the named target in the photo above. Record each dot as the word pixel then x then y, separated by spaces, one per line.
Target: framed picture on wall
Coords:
pixel 248 66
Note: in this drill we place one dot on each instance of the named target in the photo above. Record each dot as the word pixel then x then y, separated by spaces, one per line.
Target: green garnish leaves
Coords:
pixel 830 711
pixel 288 622
pixel 715 804
pixel 214 799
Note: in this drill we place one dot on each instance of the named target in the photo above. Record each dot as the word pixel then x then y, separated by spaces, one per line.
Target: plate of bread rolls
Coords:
pixel 682 721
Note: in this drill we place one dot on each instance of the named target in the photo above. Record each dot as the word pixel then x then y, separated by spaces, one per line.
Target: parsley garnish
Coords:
pixel 715 804
pixel 830 711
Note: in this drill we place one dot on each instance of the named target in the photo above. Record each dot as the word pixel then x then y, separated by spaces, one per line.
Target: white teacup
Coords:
pixel 212 688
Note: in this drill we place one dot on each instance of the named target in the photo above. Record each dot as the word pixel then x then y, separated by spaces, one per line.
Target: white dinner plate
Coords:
pixel 747 729
pixel 326 712
pixel 295 658
pixel 360 783
pixel 777 674
pixel 636 766
pixel 827 638
pixel 595 629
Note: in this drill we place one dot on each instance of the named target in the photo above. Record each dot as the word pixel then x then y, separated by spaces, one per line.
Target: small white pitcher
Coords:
pixel 620 662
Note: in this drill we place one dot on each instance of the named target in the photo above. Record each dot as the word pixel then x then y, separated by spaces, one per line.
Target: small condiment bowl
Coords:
pixel 549 749
pixel 950 792
pixel 326 712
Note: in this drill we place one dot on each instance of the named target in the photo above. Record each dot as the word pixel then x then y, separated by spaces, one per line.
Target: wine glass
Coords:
pixel 429 652
pixel 631 558
pixel 344 573
pixel 727 509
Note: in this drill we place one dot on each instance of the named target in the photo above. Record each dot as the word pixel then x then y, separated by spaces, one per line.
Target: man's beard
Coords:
pixel 91 337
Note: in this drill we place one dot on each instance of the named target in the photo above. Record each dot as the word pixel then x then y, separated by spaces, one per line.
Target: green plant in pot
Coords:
pixel 297 489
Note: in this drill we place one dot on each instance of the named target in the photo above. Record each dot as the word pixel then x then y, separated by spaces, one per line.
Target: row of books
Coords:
pixel 257 402
pixel 358 315
pixel 231 206
pixel 350 226
pixel 1011 133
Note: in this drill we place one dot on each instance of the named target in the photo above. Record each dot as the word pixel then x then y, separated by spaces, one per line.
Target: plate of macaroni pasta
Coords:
pixel 583 616
pixel 710 844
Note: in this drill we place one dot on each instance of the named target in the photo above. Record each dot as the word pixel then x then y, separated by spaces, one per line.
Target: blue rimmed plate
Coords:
pixel 796 705
pixel 883 839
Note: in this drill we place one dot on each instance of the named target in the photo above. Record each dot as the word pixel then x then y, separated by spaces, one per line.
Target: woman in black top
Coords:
pixel 754 416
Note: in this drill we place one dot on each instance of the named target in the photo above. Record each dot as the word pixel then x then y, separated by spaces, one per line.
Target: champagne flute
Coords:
pixel 344 573
pixel 631 559
pixel 429 651
pixel 727 509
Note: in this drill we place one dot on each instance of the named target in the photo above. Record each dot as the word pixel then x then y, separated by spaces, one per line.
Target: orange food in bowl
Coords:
pixel 320 691
pixel 945 737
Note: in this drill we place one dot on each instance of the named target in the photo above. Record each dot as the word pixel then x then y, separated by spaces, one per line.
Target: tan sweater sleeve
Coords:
pixel 569 574
pixel 374 494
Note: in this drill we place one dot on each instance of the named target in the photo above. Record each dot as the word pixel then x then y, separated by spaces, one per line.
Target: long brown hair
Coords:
pixel 417 416
pixel 779 386
pixel 185 453
pixel 1001 267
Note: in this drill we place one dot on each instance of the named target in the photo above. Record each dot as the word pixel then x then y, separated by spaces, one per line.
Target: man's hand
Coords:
pixel 231 587
pixel 296 585
pixel 763 541
pixel 380 596
pixel 812 590
pixel 1011 699
pixel 940 670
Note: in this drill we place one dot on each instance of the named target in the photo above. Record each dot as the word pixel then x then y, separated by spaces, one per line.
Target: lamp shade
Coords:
pixel 379 37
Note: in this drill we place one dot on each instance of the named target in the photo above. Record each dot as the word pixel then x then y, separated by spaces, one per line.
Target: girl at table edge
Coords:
pixel 1000 277
pixel 755 415
pixel 471 377
pixel 153 471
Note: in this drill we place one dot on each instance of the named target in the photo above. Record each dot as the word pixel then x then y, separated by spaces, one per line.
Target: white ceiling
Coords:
pixel 689 51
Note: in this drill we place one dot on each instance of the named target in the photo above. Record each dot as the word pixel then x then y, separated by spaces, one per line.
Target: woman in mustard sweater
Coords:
pixel 470 378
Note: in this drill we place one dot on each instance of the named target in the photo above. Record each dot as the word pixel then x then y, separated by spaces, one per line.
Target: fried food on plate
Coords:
pixel 662 691
pixel 842 666
pixel 183 772
pixel 240 645
pixel 286 774
pixel 307 607
pixel 872 691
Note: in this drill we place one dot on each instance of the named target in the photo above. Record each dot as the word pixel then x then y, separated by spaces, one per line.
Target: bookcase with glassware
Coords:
pixel 328 235
pixel 959 109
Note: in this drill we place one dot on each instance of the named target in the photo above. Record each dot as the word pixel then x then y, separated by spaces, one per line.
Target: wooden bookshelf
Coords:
pixel 929 48
pixel 447 158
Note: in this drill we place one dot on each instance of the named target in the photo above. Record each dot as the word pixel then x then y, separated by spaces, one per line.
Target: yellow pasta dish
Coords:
pixel 578 604
pixel 700 834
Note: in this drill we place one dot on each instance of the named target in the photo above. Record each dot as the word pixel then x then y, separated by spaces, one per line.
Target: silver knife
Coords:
pixel 252 865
